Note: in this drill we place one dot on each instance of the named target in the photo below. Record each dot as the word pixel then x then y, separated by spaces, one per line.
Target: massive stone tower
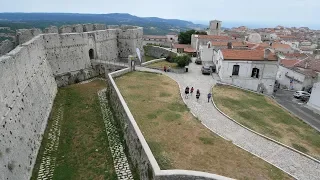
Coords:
pixel 214 27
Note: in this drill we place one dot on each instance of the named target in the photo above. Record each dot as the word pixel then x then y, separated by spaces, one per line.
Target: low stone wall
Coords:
pixel 138 149
pixel 158 52
pixel 153 61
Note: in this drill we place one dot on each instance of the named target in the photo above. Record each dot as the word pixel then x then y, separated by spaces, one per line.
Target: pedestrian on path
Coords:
pixel 209 96
pixel 191 91
pixel 198 95
pixel 186 92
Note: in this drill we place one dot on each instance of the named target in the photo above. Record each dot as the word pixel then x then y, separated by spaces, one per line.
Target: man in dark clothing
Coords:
pixel 198 95
pixel 209 96
pixel 186 92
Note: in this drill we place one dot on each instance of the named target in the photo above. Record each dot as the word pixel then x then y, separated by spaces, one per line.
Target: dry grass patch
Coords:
pixel 265 116
pixel 178 140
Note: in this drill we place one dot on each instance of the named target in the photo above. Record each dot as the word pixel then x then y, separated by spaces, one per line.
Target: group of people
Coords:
pixel 190 91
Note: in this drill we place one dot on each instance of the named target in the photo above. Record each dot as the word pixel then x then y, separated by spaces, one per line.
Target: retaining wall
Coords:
pixel 158 52
pixel 139 151
pixel 27 92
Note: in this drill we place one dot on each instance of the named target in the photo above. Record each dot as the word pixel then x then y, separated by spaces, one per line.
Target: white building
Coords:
pixel 297 74
pixel 250 69
pixel 314 100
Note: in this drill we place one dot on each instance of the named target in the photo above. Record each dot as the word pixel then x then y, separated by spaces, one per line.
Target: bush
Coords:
pixel 182 60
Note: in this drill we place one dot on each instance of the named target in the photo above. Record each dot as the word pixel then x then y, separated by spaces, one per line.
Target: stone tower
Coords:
pixel 214 28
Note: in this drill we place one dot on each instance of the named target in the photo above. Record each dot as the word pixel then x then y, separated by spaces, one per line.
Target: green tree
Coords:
pixel 182 60
pixel 185 37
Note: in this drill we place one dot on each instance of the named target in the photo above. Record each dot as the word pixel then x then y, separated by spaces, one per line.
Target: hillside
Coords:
pixel 152 25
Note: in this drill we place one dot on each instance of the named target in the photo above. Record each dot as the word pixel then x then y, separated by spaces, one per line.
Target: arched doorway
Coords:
pixel 91 54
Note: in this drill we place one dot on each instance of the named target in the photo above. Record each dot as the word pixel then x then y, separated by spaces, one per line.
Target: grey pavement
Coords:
pixel 286 99
pixel 295 164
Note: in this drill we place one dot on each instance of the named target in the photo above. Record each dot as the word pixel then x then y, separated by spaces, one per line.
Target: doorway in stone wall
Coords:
pixel 91 54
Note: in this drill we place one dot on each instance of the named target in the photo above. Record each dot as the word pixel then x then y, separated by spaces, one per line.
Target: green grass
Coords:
pixel 161 64
pixel 177 139
pixel 83 151
pixel 263 115
pixel 149 58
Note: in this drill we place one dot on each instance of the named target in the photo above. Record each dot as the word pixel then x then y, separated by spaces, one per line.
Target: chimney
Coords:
pixel 229 45
pixel 266 53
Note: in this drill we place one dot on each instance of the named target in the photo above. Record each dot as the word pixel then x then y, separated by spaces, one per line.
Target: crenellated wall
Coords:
pixel 30 75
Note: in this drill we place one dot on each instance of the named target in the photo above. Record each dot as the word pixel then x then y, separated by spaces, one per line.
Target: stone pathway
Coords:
pixel 120 159
pixel 49 156
pixel 286 159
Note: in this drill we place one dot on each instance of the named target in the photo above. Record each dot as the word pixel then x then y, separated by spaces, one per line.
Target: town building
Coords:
pixel 214 28
pixel 250 69
pixel 166 40
pixel 197 40
pixel 314 101
pixel 284 48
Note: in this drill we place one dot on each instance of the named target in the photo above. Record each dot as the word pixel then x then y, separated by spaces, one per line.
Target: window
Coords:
pixel 255 73
pixel 235 71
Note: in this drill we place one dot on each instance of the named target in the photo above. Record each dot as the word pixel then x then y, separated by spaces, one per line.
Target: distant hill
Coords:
pixel 152 25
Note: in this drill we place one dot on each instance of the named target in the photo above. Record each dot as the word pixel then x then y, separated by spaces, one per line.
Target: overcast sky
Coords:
pixel 286 12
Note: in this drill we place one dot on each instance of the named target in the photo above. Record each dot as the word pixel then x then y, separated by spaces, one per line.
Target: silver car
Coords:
pixel 299 94
pixel 206 70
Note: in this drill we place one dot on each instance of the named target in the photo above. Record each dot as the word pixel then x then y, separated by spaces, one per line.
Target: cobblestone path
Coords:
pixel 286 159
pixel 49 156
pixel 120 160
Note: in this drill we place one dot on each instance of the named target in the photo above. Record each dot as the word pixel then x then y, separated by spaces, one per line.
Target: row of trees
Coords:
pixel 185 37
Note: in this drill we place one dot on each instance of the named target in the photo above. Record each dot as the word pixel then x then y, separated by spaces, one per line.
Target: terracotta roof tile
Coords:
pixel 289 62
pixel 214 37
pixel 247 55
pixel 282 46
pixel 310 63
pixel 225 43
pixel 189 50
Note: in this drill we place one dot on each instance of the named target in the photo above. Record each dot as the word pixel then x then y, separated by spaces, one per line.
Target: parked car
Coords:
pixel 198 61
pixel 298 94
pixel 305 98
pixel 206 69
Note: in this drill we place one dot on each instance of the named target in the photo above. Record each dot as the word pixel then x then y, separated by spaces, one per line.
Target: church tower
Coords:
pixel 215 27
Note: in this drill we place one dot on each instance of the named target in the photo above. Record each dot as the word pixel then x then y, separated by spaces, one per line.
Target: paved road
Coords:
pixel 286 159
pixel 285 98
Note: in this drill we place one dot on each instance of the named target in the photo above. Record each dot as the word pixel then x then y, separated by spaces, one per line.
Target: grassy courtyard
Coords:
pixel 83 151
pixel 177 139
pixel 263 115
pixel 149 58
pixel 161 64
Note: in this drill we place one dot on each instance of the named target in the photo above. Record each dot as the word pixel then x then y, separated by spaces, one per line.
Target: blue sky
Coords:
pixel 258 12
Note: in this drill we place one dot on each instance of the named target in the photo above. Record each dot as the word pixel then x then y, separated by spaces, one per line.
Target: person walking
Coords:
pixel 198 95
pixel 209 96
pixel 191 91
pixel 186 92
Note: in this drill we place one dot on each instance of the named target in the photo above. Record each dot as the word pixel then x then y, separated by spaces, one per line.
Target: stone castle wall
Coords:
pixel 27 92
pixel 29 77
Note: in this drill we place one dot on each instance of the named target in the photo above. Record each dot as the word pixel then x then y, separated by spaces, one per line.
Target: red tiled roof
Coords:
pixel 282 46
pixel 154 37
pixel 247 55
pixel 289 62
pixel 310 63
pixel 225 43
pixel 189 50
pixel 181 46
pixel 214 37
pixel 295 55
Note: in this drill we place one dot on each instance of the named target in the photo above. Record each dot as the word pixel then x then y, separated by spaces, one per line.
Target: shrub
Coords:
pixel 182 60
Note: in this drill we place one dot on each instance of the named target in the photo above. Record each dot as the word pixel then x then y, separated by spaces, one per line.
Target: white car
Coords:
pixel 299 94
